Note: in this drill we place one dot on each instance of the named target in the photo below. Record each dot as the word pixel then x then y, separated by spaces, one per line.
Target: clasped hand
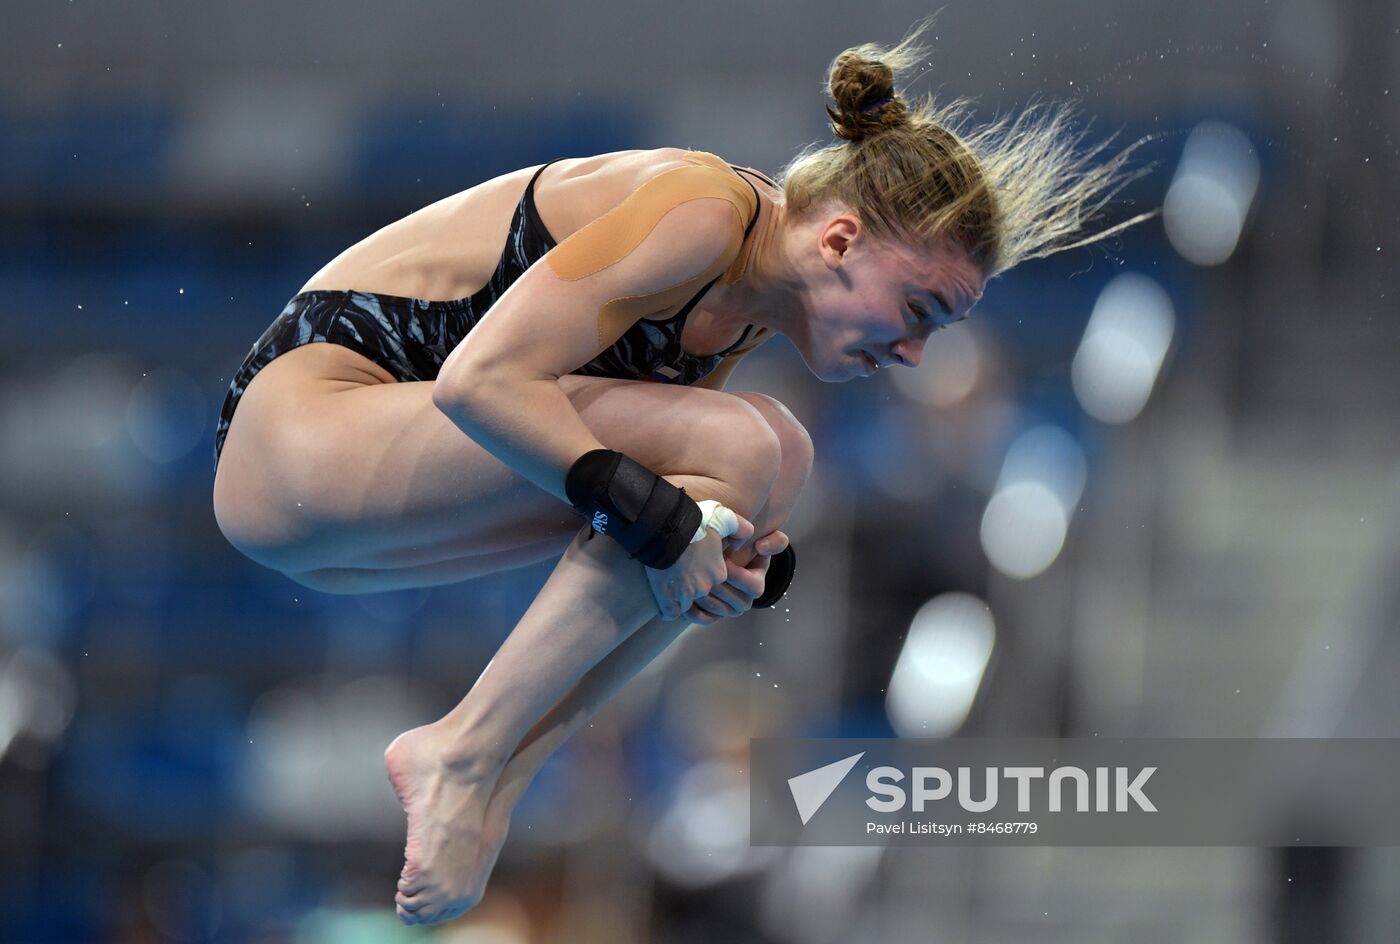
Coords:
pixel 715 578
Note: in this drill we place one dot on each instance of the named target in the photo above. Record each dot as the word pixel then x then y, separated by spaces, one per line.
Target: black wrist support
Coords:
pixel 652 519
pixel 781 567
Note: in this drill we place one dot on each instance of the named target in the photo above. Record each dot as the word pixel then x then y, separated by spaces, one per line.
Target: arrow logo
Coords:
pixel 811 790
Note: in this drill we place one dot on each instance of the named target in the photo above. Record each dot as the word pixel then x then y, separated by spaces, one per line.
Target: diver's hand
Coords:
pixel 744 584
pixel 701 571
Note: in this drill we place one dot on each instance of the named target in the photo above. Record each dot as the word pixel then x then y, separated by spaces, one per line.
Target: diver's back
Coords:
pixel 449 249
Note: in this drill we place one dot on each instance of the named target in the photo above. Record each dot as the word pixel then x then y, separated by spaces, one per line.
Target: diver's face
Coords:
pixel 874 304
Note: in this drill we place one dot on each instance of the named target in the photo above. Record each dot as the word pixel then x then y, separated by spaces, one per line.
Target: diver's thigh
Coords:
pixel 333 469
pixel 326 465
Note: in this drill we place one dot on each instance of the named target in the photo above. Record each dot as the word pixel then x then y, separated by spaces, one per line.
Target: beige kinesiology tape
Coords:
pixel 616 234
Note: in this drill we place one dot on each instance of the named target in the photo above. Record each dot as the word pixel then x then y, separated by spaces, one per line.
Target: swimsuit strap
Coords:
pixel 698 295
pixel 759 174
pixel 742 338
pixel 531 212
pixel 533 217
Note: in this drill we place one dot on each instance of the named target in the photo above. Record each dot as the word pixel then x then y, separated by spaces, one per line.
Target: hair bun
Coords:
pixel 866 102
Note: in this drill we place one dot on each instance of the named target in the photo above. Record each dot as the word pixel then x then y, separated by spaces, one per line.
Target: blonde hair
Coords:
pixel 1018 188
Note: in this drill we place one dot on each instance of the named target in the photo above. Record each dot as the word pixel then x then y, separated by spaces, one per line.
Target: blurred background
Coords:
pixel 1150 489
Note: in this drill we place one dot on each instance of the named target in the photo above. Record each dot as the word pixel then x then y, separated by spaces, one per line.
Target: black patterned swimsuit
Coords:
pixel 410 337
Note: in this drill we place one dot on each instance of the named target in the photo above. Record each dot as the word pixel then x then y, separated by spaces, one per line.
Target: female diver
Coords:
pixel 384 440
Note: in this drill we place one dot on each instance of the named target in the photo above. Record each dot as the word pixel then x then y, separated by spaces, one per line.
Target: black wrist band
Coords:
pixel 652 519
pixel 781 567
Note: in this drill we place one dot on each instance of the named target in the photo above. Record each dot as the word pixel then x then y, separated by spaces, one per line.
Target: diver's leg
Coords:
pixel 622 664
pixel 347 481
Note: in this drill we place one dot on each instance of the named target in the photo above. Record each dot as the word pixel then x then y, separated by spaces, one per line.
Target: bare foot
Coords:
pixel 448 855
pixel 509 789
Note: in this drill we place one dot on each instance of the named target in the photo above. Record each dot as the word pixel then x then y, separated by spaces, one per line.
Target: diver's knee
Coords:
pixel 730 441
pixel 752 449
pixel 795 443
